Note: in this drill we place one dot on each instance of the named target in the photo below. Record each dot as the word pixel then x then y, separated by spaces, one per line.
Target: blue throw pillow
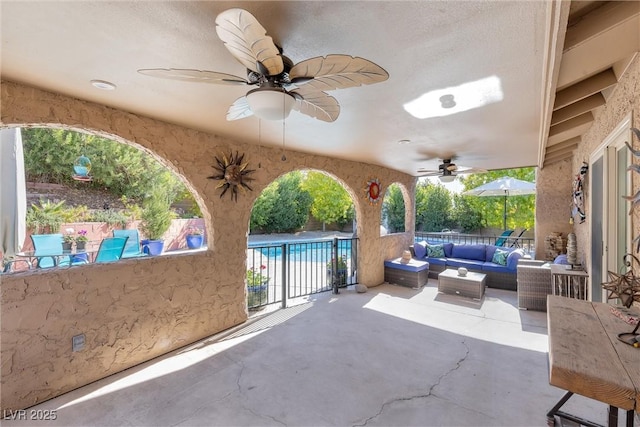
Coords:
pixel 420 249
pixel 435 251
pixel 500 257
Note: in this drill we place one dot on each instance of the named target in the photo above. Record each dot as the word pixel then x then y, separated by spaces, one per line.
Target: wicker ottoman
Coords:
pixel 471 285
pixel 414 274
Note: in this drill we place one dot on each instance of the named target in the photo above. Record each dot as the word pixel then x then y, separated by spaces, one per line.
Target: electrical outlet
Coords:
pixel 77 342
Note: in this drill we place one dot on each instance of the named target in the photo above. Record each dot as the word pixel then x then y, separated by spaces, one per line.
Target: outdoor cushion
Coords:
pixel 448 247
pixel 414 265
pixel 492 266
pixel 500 257
pixel 491 249
pixel 467 263
pixel 420 249
pixel 473 252
pixel 438 261
pixel 561 259
pixel 436 251
pixel 512 259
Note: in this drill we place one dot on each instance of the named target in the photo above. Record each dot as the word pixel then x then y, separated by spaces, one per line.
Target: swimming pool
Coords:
pixel 313 251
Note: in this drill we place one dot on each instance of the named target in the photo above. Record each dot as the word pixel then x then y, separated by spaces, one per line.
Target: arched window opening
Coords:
pixel 130 194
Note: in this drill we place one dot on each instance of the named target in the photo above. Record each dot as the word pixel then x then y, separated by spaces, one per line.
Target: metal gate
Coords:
pixel 277 273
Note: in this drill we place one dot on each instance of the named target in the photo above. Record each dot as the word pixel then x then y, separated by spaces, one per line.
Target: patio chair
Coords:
pixel 9 265
pixel 48 251
pixel 516 240
pixel 534 284
pixel 111 249
pixel 500 241
pixel 132 248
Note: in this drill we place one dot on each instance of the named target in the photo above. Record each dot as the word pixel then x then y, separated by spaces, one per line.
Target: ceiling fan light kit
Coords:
pixel 447 178
pixel 270 103
pixel 282 86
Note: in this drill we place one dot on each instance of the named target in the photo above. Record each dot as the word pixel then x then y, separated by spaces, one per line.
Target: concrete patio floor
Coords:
pixel 393 356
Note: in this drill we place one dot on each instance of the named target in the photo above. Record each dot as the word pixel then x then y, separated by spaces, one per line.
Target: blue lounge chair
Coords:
pixel 111 249
pixel 500 241
pixel 48 251
pixel 132 248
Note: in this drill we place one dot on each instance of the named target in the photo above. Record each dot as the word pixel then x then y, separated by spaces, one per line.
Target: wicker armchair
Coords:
pixel 534 284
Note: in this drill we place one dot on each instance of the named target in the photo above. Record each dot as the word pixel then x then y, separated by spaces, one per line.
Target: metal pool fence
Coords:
pixel 279 272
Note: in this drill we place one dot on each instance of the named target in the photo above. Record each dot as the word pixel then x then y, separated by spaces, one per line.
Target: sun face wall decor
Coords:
pixel 233 174
pixel 372 190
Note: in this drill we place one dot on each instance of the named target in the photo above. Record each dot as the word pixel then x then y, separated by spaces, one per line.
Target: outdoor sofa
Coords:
pixel 498 263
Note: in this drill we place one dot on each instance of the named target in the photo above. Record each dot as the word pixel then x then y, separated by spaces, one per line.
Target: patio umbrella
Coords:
pixel 505 186
pixel 13 195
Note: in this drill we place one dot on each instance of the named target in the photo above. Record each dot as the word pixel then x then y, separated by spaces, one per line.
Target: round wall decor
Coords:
pixel 373 190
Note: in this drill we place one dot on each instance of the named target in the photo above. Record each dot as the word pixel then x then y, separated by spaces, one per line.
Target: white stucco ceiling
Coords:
pixel 423 45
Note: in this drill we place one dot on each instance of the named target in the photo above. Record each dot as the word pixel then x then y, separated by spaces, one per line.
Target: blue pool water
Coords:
pixel 317 251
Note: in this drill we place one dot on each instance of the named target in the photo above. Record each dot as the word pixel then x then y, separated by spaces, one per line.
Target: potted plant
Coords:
pixel 257 287
pixel 156 220
pixel 194 237
pixel 81 241
pixel 68 239
pixel 340 274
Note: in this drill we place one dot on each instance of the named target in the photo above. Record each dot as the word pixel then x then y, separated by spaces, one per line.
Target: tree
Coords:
pixel 464 215
pixel 331 202
pixel 122 169
pixel 393 209
pixel 288 207
pixel 520 209
pixel 433 207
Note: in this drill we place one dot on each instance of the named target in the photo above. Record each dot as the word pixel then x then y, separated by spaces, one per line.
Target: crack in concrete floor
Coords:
pixel 430 393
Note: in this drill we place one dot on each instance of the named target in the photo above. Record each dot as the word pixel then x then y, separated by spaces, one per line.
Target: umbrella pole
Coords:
pixel 504 216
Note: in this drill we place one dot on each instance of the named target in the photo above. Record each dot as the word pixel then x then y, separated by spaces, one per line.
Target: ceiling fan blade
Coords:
pixel 318 105
pixel 200 76
pixel 248 42
pixel 239 109
pixel 336 72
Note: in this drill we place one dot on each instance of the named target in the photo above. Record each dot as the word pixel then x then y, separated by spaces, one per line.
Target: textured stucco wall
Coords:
pixel 553 200
pixel 135 310
pixel 554 182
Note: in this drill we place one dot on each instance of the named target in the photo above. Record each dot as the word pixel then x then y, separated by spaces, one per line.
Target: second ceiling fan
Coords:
pixel 280 85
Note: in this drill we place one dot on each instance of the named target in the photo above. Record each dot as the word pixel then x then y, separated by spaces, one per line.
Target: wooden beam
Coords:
pixel 571 123
pixel 549 161
pixel 560 153
pixel 577 108
pixel 571 142
pixel 585 88
pixel 598 53
pixel 600 20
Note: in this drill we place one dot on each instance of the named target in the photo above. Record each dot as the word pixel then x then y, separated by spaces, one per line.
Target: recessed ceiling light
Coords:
pixel 103 84
pixel 404 141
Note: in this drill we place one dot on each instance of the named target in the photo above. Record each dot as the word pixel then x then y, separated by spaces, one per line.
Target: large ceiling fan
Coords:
pixel 447 170
pixel 280 85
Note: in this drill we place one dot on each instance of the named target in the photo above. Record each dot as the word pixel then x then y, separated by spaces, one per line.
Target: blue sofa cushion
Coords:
pixel 414 265
pixel 492 266
pixel 512 259
pixel 467 263
pixel 448 247
pixel 438 261
pixel 436 251
pixel 470 252
pixel 500 257
pixel 420 249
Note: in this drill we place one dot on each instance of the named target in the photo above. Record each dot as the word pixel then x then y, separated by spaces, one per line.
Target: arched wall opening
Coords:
pixel 290 251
